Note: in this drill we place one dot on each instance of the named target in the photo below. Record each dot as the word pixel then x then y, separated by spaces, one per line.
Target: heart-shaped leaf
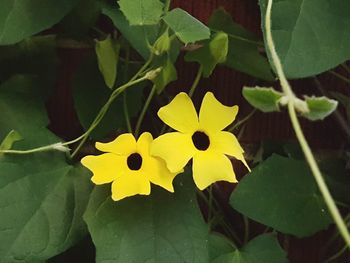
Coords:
pixel 42 198
pixel 138 36
pixel 22 18
pixel 141 12
pixel 213 52
pixel 281 193
pixel 187 28
pixel 310 36
pixel 243 49
pixel 162 227
pixel 262 249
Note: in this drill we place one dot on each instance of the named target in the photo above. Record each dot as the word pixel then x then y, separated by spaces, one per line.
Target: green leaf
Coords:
pixel 162 227
pixel 262 249
pixel 212 53
pixel 281 193
pixel 310 38
pixel 168 74
pixel 90 93
pixel 293 150
pixel 162 44
pixel 81 19
pixel 319 107
pixel 22 18
pixel 107 52
pixel 42 200
pixel 243 49
pixel 337 178
pixel 187 28
pixel 10 139
pixel 138 36
pixel 20 110
pixel 264 99
pixel 37 56
pixel 142 12
pixel 218 246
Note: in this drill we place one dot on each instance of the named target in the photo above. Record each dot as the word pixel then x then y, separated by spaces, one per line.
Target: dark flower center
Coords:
pixel 200 140
pixel 134 161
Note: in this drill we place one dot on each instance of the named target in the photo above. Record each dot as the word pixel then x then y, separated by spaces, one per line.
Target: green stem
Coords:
pixel 126 113
pixel 337 114
pixel 223 224
pixel 339 76
pixel 144 110
pixel 246 229
pixel 258 43
pixel 242 121
pixel 136 62
pixel 144 67
pixel 210 205
pixel 337 255
pixel 347 218
pixel 162 131
pixel 50 147
pixel 99 31
pixel 167 6
pixel 104 109
pixel 59 146
pixel 125 104
pixel 299 133
pixel 346 67
pixel 196 81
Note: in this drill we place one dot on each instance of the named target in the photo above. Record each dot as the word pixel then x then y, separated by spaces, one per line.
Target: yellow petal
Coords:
pixel 225 142
pixel 124 144
pixel 160 174
pixel 105 167
pixel 210 167
pixel 214 115
pixel 154 168
pixel 129 184
pixel 180 114
pixel 144 143
pixel 175 148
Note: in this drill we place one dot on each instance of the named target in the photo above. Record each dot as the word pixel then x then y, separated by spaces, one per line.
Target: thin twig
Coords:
pixel 339 76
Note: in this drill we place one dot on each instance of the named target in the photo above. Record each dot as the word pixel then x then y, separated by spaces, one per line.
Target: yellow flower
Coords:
pixel 199 138
pixel 127 164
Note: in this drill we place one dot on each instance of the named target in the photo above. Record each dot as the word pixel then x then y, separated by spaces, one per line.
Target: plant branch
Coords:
pixel 299 133
pixel 144 110
pixel 242 121
pixel 144 67
pixel 56 146
pixel 196 81
pixel 337 115
pixel 346 67
pixel 337 255
pixel 339 76
pixel 105 108
pixel 167 6
pixel 126 113
pixel 258 43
